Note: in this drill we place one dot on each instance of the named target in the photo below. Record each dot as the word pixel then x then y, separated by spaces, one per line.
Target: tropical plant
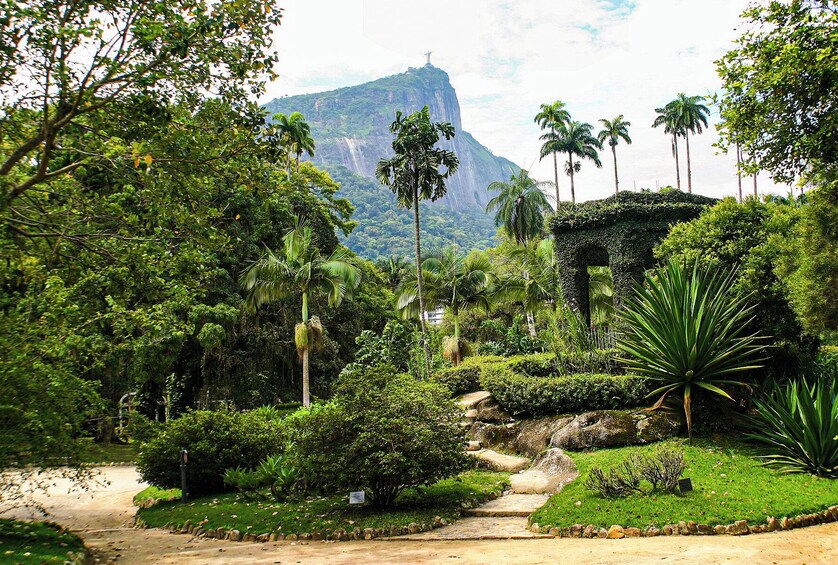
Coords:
pixel 577 140
pixel 600 296
pixel 686 329
pixel 299 270
pixel 519 207
pixel 295 135
pixel 454 282
pixel 394 268
pixel 509 339
pixel 692 117
pixel 535 280
pixel 668 118
pixel 550 116
pixel 797 423
pixel 416 172
pixel 278 474
pixel 614 130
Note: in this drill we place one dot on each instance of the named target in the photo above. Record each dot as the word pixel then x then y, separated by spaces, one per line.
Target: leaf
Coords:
pixel 148 159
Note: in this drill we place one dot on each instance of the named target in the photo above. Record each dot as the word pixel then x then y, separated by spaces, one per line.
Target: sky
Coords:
pixel 505 58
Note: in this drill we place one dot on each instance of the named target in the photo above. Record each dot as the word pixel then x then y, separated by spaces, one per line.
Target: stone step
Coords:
pixel 472 399
pixel 500 462
pixel 473 446
pixel 476 529
pixel 512 505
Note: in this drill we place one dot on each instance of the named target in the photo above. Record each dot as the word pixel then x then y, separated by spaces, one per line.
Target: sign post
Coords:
pixel 183 490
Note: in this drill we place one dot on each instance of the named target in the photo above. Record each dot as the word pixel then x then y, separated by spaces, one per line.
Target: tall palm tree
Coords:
pixel 613 131
pixel 454 282
pixel 417 171
pixel 577 140
pixel 520 206
pixel 298 269
pixel 540 286
pixel 692 117
pixel 394 268
pixel 295 133
pixel 668 117
pixel 550 117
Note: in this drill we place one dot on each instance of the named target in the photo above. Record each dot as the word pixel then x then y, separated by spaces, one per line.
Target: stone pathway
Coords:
pixel 511 505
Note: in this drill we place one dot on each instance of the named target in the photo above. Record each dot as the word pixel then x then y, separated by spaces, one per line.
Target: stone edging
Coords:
pixel 196 530
pixel 738 528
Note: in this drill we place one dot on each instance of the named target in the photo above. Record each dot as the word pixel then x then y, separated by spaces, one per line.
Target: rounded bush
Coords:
pixel 215 441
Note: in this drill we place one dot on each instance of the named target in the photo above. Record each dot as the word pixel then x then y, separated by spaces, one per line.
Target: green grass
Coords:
pixel 36 542
pixel 157 494
pixel 729 484
pixel 114 453
pixel 327 513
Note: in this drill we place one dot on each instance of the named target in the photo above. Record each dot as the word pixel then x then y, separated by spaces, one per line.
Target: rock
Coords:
pixel 705 529
pixel 601 428
pixel 576 530
pixel 471 414
pixel 489 410
pixel 667 530
pixel 718 529
pixel 692 527
pixel 602 533
pixel 472 399
pixel 755 529
pixel 235 535
pixel 494 436
pixel 683 529
pixel 739 528
pixel 473 445
pixel 590 531
pixel 655 426
pixel 184 529
pixel 291 537
pixel 220 533
pixel 615 532
pixel 413 528
pixel 533 436
pixel 785 523
pixel 304 536
pixel 652 532
pixel 534 527
pixel 262 538
pixel 548 474
pixel 317 536
pixel 197 532
pixel 249 537
pixel 210 534
pixel 631 532
pixel 500 462
pixel 273 537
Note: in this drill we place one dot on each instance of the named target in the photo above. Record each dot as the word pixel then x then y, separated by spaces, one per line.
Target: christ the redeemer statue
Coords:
pixel 428 55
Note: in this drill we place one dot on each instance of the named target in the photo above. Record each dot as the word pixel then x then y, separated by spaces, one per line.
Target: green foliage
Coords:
pixel 509 340
pixel 797 425
pixel 38 543
pixel 781 89
pixel 522 394
pixel 458 380
pixel 685 330
pixel 215 441
pixel 661 469
pixel 576 139
pixel 274 472
pixel 519 207
pixel 729 484
pixel 384 433
pixel 749 237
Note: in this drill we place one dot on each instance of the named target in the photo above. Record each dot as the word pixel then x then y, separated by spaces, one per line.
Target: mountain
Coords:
pixel 351 128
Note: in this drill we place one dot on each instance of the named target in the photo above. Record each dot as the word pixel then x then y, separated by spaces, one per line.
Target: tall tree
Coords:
pixel 550 116
pixel 540 286
pixel 455 282
pixel 691 115
pixel 417 172
pixel 299 270
pixel 394 267
pixel 613 131
pixel 295 135
pixel 668 118
pixel 577 140
pixel 519 207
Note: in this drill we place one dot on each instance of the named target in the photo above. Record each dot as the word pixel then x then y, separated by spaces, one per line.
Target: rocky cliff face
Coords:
pixel 351 128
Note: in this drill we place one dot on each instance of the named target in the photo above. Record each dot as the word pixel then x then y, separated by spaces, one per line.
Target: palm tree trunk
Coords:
pixel 306 399
pixel 458 355
pixel 677 163
pixel 419 281
pixel 616 179
pixel 556 175
pixel 739 170
pixel 755 187
pixel 298 160
pixel 689 168
pixel 572 186
pixel 531 324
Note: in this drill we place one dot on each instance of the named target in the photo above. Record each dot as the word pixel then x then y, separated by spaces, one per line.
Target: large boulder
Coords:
pixel 494 436
pixel 533 436
pixel 607 428
pixel 488 410
pixel 495 461
pixel 657 425
pixel 549 473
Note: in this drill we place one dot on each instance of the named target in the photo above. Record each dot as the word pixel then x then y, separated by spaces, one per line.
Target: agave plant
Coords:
pixel 686 329
pixel 798 425
pixel 278 474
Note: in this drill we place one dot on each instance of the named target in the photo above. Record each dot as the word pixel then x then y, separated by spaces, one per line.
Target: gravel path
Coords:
pixel 103 518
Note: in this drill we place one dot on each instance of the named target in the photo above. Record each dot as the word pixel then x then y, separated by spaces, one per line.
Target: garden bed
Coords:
pixel 325 517
pixel 38 542
pixel 729 484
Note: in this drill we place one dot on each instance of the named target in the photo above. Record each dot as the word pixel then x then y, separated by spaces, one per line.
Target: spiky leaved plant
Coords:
pixel 686 328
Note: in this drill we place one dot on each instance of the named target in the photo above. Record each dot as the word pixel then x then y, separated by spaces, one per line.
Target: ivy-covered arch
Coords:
pixel 619 232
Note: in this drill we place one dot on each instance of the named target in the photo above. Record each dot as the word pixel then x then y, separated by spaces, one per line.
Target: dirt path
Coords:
pixel 102 519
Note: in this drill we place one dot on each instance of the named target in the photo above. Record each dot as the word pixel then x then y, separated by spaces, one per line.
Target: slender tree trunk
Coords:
pixel 556 175
pixel 689 168
pixel 419 281
pixel 739 170
pixel 306 399
pixel 677 163
pixel 459 354
pixel 616 179
pixel 572 186
pixel 298 161
pixel 530 317
pixel 755 187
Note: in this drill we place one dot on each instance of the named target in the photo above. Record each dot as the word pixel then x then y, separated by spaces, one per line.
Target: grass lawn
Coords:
pixel 729 484
pixel 327 513
pixel 157 494
pixel 113 453
pixel 36 542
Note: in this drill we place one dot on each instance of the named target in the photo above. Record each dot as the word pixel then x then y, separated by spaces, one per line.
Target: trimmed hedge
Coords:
pixel 458 380
pixel 547 396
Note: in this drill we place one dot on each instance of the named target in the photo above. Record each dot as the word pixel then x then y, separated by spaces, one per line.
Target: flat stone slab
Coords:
pixel 476 529
pixel 511 505
pixel 500 462
pixel 550 472
pixel 472 399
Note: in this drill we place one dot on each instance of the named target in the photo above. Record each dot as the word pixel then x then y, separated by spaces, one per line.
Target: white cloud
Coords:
pixel 602 57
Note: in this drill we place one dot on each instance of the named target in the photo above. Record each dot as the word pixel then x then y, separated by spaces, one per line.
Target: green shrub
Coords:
pixel 382 433
pixel 216 441
pixel 798 425
pixel 660 469
pixel 546 396
pixel 274 472
pixel 458 380
pixel 140 428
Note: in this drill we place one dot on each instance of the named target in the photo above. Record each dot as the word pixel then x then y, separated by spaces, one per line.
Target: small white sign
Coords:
pixel 356 497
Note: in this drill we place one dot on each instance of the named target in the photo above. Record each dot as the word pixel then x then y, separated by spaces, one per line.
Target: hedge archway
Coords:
pixel 619 232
